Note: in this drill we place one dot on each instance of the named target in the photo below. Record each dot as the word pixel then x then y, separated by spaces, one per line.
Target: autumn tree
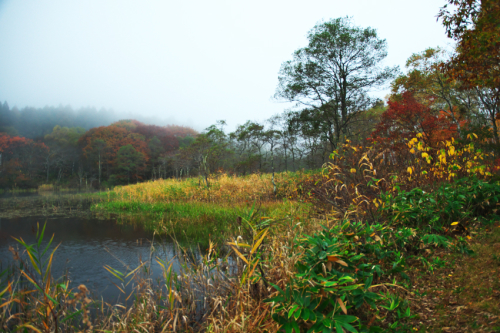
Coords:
pixel 405 117
pixel 17 156
pixel 475 25
pixel 101 144
pixel 430 86
pixel 330 78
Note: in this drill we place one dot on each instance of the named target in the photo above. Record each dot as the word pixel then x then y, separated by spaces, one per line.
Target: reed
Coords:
pixel 223 188
pixel 192 211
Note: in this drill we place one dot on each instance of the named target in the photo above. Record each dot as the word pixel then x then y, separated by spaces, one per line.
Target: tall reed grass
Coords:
pixel 223 189
pixel 192 211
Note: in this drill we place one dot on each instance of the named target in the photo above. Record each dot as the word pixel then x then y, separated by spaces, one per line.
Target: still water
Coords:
pixel 86 245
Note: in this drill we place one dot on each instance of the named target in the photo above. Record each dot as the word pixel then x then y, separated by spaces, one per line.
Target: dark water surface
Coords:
pixel 87 244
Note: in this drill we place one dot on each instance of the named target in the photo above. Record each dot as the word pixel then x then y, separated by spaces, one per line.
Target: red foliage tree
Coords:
pixel 406 117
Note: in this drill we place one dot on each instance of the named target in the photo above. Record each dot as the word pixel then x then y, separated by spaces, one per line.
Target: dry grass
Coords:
pixel 46 187
pixel 223 189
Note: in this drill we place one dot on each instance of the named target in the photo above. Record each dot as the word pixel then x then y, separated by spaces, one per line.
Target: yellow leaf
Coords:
pixel 454 223
pixel 256 246
pixel 239 244
pixel 353 170
pixel 424 155
pixel 412 151
pixel 239 254
pixel 409 170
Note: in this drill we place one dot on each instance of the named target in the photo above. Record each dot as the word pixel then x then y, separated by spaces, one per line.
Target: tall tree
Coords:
pixel 331 77
pixel 475 25
pixel 430 86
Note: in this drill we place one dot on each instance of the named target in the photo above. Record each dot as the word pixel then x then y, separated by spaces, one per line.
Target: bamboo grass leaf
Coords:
pixel 239 244
pixel 118 287
pixel 18 328
pixel 39 289
pixel 239 254
pixel 257 244
pixel 9 287
pixel 33 262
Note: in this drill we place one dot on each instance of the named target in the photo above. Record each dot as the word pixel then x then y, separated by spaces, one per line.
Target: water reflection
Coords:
pixel 86 246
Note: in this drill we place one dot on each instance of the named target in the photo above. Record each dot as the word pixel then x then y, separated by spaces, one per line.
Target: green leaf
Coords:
pixel 322 255
pixel 348 327
pixel 292 310
pixel 368 282
pixel 305 314
pixel 41 235
pixel 338 327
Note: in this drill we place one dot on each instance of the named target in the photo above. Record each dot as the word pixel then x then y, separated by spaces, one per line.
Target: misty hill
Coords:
pixel 34 123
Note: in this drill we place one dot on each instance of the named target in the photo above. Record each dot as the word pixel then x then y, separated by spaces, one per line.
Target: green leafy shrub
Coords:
pixel 451 210
pixel 332 288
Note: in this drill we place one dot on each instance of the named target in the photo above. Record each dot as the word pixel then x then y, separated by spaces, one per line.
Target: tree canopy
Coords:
pixel 331 77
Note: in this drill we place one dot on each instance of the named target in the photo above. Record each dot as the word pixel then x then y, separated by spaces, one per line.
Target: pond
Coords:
pixel 87 244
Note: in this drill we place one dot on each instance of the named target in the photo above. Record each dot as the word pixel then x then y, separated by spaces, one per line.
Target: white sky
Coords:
pixel 192 62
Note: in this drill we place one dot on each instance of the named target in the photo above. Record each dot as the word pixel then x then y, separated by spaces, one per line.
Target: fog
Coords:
pixel 184 62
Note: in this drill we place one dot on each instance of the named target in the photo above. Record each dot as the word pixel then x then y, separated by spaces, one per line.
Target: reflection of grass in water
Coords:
pixel 48 204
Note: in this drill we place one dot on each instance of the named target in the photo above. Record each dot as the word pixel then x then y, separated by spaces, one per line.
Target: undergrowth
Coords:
pixel 333 251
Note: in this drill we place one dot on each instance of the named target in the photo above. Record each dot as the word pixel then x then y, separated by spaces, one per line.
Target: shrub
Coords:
pixel 332 288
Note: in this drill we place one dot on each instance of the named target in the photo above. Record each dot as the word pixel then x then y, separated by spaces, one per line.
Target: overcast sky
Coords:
pixel 189 62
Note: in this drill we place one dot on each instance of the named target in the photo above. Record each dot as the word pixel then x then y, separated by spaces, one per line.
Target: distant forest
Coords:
pixel 90 148
pixel 83 148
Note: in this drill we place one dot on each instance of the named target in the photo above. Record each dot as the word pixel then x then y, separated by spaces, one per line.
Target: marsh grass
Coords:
pixel 223 189
pixel 197 222
pixel 193 212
